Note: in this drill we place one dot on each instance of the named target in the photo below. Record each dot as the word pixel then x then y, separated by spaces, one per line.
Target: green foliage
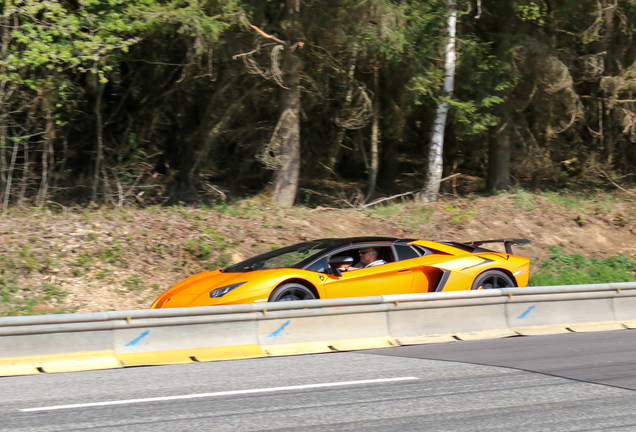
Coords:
pixel 561 269
pixel 134 283
pixel 483 81
pixel 57 36
pixel 531 11
pixel 199 248
pixel 210 245
pixel 51 291
pixel 112 254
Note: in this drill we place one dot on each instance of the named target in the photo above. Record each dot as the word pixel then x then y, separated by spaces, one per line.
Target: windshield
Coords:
pixel 290 256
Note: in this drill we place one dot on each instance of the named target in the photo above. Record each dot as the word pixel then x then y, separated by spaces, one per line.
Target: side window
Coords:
pixel 319 266
pixel 405 252
pixel 386 254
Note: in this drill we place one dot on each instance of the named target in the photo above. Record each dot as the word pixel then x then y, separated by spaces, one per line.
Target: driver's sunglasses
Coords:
pixel 362 252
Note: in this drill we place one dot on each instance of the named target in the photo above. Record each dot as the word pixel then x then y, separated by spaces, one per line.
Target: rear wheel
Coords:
pixel 492 279
pixel 291 292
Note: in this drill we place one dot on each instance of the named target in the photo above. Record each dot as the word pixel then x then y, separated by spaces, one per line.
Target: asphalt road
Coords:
pixel 424 395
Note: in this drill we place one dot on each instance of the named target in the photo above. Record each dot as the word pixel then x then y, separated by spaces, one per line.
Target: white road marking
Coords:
pixel 223 393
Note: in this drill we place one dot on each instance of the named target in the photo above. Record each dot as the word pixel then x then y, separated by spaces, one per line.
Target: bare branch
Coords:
pixel 268 36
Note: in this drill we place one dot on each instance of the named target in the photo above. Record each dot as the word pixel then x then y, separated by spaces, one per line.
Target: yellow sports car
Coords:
pixel 353 267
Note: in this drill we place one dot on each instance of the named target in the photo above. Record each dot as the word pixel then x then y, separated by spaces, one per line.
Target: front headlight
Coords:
pixel 220 292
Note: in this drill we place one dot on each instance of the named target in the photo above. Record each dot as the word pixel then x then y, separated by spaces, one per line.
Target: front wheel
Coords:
pixel 492 279
pixel 291 292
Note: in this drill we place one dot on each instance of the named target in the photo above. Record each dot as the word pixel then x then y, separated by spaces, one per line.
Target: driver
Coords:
pixel 368 258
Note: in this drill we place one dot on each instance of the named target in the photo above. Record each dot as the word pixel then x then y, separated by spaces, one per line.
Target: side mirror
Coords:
pixel 340 260
pixel 336 262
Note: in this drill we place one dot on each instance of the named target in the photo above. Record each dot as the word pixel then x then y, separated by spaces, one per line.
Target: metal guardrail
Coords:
pixel 307 304
pixel 48 343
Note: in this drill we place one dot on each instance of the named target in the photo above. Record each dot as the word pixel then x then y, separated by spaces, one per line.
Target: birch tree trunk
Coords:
pixel 286 178
pixel 3 116
pixel 435 162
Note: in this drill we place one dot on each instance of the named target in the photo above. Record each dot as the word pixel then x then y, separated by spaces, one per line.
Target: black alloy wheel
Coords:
pixel 291 292
pixel 492 279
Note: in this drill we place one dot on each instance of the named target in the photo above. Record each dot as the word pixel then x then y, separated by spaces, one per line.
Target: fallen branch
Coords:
pixel 450 177
pixel 379 200
pixel 615 184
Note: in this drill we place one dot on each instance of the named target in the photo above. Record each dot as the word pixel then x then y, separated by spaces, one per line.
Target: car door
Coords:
pixel 385 279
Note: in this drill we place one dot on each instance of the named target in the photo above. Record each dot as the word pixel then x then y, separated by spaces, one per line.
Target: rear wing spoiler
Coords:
pixel 507 243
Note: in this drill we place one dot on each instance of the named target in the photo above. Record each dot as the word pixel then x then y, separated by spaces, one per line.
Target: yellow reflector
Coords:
pixel 190 355
pixel 326 346
pixel 597 326
pixel 630 324
pixel 485 334
pixel 541 330
pixel 67 362
pixel 12 370
pixel 425 339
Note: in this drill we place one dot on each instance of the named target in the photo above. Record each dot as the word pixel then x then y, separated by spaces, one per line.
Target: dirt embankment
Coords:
pixel 106 259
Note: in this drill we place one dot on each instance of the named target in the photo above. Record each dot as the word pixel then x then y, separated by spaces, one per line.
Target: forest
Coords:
pixel 154 102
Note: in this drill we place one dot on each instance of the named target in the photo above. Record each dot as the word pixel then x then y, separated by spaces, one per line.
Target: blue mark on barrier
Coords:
pixel 280 329
pixel 525 314
pixel 135 342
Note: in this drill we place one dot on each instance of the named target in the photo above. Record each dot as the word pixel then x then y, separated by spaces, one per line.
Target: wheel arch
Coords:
pixel 303 282
pixel 503 270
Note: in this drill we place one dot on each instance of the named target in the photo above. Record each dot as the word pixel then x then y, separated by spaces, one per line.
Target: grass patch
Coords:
pixel 524 200
pixel 411 216
pixel 459 215
pixel 51 291
pixel 561 269
pixel 210 247
pixel 134 283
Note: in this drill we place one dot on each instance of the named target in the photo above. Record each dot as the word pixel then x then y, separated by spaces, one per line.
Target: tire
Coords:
pixel 492 279
pixel 291 292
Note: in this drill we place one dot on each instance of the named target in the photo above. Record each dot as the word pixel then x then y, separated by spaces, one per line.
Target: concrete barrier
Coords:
pixel 625 308
pixel 282 335
pixel 186 343
pixel 447 320
pixel 561 313
pixel 56 352
pixel 56 343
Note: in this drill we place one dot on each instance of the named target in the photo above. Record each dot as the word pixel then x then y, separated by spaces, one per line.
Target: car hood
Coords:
pixel 207 281
pixel 187 291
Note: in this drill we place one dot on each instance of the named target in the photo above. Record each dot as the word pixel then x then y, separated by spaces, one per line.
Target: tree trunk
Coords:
pixel 100 140
pixel 47 155
pixel 3 159
pixel 212 132
pixel 375 136
pixel 7 189
pixel 499 158
pixel 3 116
pixel 435 163
pixel 25 176
pixel 286 178
pixel 334 151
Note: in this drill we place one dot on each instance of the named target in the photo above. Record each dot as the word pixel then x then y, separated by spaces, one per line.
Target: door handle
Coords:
pixel 404 271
